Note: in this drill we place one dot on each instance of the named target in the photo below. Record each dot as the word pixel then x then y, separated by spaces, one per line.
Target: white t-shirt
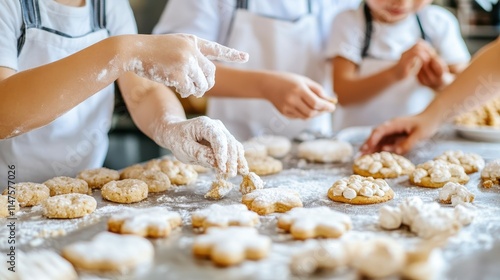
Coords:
pixel 389 41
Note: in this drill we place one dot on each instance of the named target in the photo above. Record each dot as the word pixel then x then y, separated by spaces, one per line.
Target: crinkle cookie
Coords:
pixel 469 161
pixel 277 146
pixel 29 194
pixel 325 151
pixel 454 194
pixel 220 188
pixel 382 165
pixel 69 206
pixel 224 216
pixel 254 149
pixel 125 191
pixel 179 173
pixel 157 181
pixel 132 172
pixel 436 173
pixel 491 174
pixel 65 185
pixel 96 178
pixel 152 222
pixel 8 207
pixel 360 190
pixel 264 166
pixel 304 223
pixel 250 183
pixel 232 245
pixel 266 201
pixel 110 252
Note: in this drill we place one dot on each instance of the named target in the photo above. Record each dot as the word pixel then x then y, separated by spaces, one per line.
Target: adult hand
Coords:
pixel 296 96
pixel 202 141
pixel 181 61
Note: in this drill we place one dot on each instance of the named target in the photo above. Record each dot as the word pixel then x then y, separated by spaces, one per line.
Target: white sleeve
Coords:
pixel 120 18
pixel 330 9
pixel 347 37
pixel 11 22
pixel 445 35
pixel 201 18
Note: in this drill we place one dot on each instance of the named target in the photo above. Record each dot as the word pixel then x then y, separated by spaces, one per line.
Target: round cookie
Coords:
pixel 96 178
pixel 65 185
pixel 254 149
pixel 360 190
pixel 325 151
pixel 132 172
pixel 8 208
pixel 427 182
pixel 179 173
pixel 264 166
pixel 125 191
pixel 383 165
pixel 69 206
pixel 436 173
pixel 277 146
pixel 157 181
pixel 471 162
pixel 29 194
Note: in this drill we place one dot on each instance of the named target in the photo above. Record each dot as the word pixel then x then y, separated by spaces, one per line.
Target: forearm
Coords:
pixel 36 97
pixel 232 82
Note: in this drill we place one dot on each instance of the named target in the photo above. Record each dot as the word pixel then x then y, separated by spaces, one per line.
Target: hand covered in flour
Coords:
pixel 181 61
pixel 202 141
pixel 296 96
pixel 413 59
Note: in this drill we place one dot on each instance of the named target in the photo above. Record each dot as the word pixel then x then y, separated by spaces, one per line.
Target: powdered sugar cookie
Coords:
pixel 304 223
pixel 179 173
pixel 220 188
pixel 69 206
pixel 491 174
pixel 326 255
pixel 454 194
pixel 125 191
pixel 8 206
pixel 152 222
pixel 156 180
pixel 469 161
pixel 266 201
pixel 232 245
pixel 378 258
pixel 224 216
pixel 96 178
pixel 264 166
pixel 132 172
pixel 277 146
pixel 110 252
pixel 436 173
pixel 254 149
pixel 65 185
pixel 29 194
pixel 251 182
pixel 325 151
pixel 382 165
pixel 360 190
pixel 43 265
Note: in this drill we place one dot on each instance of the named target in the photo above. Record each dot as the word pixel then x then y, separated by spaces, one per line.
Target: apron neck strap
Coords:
pixel 369 30
pixel 98 11
pixel 243 4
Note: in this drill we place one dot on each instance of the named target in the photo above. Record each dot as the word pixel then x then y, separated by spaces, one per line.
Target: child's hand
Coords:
pixel 413 59
pixel 434 73
pixel 180 61
pixel 296 96
pixel 202 141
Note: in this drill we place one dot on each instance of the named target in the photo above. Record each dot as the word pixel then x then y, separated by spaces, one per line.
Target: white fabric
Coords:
pixel 78 139
pixel 267 31
pixel 388 42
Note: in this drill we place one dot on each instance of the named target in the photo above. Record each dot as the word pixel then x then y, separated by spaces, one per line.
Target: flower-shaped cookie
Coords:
pixel 224 216
pixel 436 173
pixel 360 190
pixel 469 161
pixel 304 223
pixel 382 165
pixel 266 201
pixel 232 245
pixel 152 222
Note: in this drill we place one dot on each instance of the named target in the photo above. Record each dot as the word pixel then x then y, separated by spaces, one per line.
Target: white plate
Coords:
pixel 482 134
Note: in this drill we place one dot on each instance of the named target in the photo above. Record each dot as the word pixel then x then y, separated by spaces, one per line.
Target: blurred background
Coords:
pixel 479 22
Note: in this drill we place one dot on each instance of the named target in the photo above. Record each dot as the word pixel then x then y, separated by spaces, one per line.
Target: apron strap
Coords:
pixel 369 30
pixel 243 4
pixel 98 10
pixel 31 19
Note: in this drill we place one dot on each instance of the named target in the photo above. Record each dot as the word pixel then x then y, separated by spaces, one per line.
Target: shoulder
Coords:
pixel 349 18
pixel 437 15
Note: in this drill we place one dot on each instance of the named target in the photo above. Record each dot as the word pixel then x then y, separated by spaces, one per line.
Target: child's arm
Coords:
pixel 474 86
pixel 352 89
pixel 158 113
pixel 33 98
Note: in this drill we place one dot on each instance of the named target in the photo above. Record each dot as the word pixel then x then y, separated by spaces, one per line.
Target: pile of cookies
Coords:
pixel 487 116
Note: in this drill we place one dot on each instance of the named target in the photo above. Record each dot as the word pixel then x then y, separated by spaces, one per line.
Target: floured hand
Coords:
pixel 202 141
pixel 180 61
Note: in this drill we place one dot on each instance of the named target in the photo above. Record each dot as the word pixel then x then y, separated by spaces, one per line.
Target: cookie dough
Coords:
pixel 224 216
pixel 220 188
pixel 125 191
pixel 264 166
pixel 266 201
pixel 454 194
pixel 436 173
pixel 469 161
pixel 156 180
pixel 96 178
pixel 29 194
pixel 152 222
pixel 250 183
pixel 8 208
pixel 254 149
pixel 69 206
pixel 65 185
pixel 277 146
pixel 325 151
pixel 491 174
pixel 360 190
pixel 382 165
